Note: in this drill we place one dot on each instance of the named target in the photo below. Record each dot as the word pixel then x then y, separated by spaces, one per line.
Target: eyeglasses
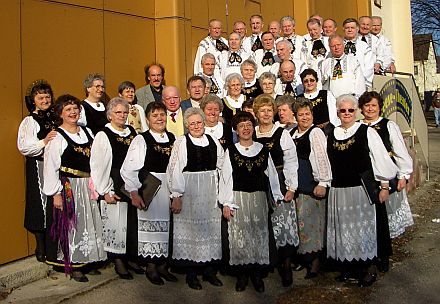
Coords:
pixel 346 110
pixel 99 87
pixel 195 123
pixel 243 125
pixel 120 113
pixel 309 80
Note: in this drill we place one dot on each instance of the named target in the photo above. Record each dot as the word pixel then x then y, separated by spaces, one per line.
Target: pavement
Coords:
pixel 412 279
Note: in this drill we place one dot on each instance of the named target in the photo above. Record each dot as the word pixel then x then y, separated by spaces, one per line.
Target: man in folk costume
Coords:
pixel 357 48
pixel 284 49
pixel 288 29
pixel 288 83
pixel 231 60
pixel 214 43
pixel 254 42
pixel 341 74
pixel 208 67
pixel 374 43
pixel 385 44
pixel 316 49
pixel 275 29
pixel 266 58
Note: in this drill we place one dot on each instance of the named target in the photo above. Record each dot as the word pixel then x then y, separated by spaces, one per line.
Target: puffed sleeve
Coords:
pixel 401 156
pixel 383 167
pixel 290 161
pixel 322 172
pixel 332 111
pixel 133 163
pixel 220 153
pixel 52 163
pixel 272 173
pixel 100 164
pixel 27 141
pixel 82 117
pixel 178 161
pixel 226 193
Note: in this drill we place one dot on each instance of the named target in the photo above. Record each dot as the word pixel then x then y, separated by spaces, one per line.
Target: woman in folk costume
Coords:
pixel 192 176
pixel 73 218
pixel 136 114
pixel 35 132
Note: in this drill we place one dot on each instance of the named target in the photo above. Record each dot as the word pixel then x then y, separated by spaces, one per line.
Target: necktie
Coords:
pixel 214 87
pixel 337 70
pixel 289 89
pixel 257 44
pixel 364 39
pixel 268 59
pixel 234 57
pixel 293 45
pixel 318 48
pixel 350 47
pixel 173 117
pixel 220 45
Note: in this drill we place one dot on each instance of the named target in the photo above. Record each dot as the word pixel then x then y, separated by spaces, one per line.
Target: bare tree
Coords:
pixel 426 18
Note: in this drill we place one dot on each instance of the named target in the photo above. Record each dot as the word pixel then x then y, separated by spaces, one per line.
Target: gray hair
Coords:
pixel 285 100
pixel 88 82
pixel 208 82
pixel 286 43
pixel 115 102
pixel 333 37
pixel 190 112
pixel 287 18
pixel 207 56
pixel 346 98
pixel 249 62
pixel 267 75
pixel 211 98
pixel 231 77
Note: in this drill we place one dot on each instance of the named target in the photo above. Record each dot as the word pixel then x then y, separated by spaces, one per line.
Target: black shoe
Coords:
pixel 383 264
pixel 166 275
pixel 258 283
pixel 343 277
pixel 135 268
pixel 154 277
pixel 78 276
pixel 242 282
pixel 41 257
pixel 94 272
pixel 367 280
pixel 212 279
pixel 124 275
pixel 310 275
pixel 193 282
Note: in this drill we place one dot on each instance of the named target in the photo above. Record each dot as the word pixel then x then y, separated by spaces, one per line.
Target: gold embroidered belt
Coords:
pixel 75 172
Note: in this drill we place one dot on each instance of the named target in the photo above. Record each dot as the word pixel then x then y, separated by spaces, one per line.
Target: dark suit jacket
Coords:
pixel 144 96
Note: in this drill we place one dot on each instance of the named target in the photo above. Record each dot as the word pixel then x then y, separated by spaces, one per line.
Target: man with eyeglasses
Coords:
pixel 93 113
pixel 154 78
pixel 341 74
pixel 171 99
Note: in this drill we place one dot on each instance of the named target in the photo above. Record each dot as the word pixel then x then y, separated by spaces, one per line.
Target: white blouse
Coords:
pixel 179 159
pixel 135 159
pixel 331 106
pixel 226 192
pixel 52 159
pixel 321 169
pixel 101 158
pixel 383 167
pixel 27 142
pixel 98 106
pixel 236 104
pixel 401 156
pixel 290 158
pixel 216 131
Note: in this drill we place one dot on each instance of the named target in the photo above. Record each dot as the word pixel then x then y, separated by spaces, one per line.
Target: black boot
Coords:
pixel 40 251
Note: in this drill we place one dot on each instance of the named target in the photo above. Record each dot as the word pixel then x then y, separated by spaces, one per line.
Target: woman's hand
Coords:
pixel 289 195
pixel 319 191
pixel 111 198
pixel 58 201
pixel 51 135
pixel 384 195
pixel 136 200
pixel 176 205
pixel 228 212
pixel 401 184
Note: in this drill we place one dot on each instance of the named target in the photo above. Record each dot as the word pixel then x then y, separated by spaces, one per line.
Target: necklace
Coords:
pixel 266 132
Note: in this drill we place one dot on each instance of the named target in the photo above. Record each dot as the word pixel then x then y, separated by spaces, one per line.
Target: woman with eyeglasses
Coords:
pixel 243 190
pixel 72 215
pixel 358 159
pixel 322 101
pixel 35 132
pixel 192 176
pixel 136 114
pixel 267 82
pixel 396 214
pixel 283 152
pixel 107 155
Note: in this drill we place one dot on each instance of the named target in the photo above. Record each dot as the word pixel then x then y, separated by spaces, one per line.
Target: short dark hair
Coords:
pixel 126 85
pixel 147 69
pixel 39 86
pixel 154 106
pixel 242 117
pixel 350 20
pixel 366 97
pixel 300 103
pixel 307 72
pixel 63 101
pixel 195 78
pixel 248 103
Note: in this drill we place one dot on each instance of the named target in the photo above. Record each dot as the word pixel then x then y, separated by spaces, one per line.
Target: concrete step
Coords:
pixel 22 272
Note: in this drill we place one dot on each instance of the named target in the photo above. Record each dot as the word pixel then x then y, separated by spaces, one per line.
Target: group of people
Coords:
pixel 263 167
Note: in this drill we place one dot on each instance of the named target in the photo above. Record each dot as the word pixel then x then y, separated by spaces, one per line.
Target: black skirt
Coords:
pixel 34 215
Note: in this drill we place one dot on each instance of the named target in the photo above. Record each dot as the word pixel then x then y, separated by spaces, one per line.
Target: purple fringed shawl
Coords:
pixel 64 222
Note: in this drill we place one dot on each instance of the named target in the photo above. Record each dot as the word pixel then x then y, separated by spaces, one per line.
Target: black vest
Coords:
pixel 382 129
pixel 158 154
pixel 228 112
pixel 253 91
pixel 96 120
pixel 226 139
pixel 47 122
pixel 75 160
pixel 273 144
pixel 320 108
pixel 349 158
pixel 200 158
pixel 248 172
pixel 120 147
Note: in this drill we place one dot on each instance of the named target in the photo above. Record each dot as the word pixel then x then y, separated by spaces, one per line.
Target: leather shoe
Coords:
pixel 78 276
pixel 383 265
pixel 242 282
pixel 213 280
pixel 135 268
pixel 367 280
pixel 154 278
pixel 193 282
pixel 258 283
pixel 124 276
pixel 286 277
pixel 41 257
pixel 167 276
